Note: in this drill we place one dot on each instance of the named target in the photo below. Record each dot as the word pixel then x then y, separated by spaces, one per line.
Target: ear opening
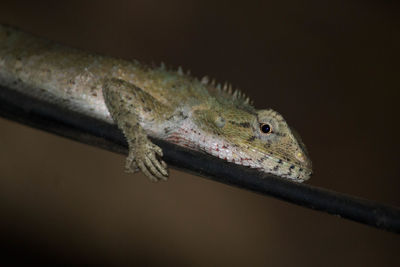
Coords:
pixel 219 121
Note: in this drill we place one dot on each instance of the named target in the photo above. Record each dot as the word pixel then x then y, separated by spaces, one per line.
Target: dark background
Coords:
pixel 330 67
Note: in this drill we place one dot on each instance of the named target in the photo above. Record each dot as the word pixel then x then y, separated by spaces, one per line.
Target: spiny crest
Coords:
pixel 226 91
pixel 162 66
pixel 179 71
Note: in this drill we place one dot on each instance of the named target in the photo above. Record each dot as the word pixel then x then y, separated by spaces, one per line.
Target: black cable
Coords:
pixel 27 110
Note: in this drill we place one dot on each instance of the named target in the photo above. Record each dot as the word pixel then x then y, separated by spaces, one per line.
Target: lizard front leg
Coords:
pixel 128 106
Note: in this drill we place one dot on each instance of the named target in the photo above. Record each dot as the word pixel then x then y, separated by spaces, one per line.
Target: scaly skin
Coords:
pixel 153 101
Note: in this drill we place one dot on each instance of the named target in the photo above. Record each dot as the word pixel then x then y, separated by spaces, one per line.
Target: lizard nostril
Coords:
pixel 300 156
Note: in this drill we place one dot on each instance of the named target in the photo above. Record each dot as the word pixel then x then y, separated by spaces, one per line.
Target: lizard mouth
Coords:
pixel 212 146
pixel 229 153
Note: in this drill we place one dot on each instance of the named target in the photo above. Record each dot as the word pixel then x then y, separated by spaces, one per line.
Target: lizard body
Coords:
pixel 153 101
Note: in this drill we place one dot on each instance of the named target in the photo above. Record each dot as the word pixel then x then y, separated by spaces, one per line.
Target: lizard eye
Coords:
pixel 265 128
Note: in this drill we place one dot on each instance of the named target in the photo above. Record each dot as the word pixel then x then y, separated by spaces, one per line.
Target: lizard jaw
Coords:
pixel 195 139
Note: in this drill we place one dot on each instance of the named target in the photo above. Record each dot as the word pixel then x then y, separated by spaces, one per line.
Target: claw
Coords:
pixel 131 165
pixel 161 168
pixel 146 156
pixel 150 161
pixel 164 165
pixel 146 172
pixel 158 150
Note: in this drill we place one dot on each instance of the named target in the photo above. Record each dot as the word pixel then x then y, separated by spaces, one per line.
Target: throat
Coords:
pixel 189 136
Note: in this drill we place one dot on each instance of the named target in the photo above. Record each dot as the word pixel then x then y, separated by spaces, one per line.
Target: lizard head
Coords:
pixel 258 138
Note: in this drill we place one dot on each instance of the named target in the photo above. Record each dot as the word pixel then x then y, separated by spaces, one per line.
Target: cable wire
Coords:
pixel 36 113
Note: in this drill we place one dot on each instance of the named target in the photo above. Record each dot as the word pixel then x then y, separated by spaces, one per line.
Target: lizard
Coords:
pixel 155 101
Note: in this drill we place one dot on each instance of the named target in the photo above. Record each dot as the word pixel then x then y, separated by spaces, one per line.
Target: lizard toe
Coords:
pixel 157 150
pixel 151 163
pixel 161 166
pixel 131 165
pixel 146 172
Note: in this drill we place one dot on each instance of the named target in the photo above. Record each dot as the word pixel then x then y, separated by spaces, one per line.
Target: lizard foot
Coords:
pixel 146 156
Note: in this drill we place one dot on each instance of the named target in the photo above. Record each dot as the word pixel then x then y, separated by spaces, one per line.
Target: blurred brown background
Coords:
pixel 330 67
